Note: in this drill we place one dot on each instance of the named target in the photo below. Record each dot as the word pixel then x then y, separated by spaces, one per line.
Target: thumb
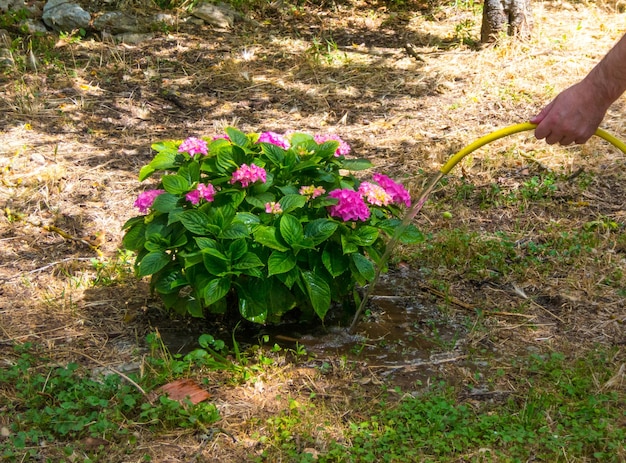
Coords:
pixel 542 115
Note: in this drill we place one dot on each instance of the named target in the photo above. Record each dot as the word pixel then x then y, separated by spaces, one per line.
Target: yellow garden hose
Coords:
pixel 454 160
pixel 434 179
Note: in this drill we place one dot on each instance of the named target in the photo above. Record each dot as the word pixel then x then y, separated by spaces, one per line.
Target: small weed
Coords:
pixel 463 32
pixel 66 403
pixel 114 270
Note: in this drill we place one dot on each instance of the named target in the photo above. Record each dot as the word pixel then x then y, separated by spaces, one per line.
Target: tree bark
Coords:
pixel 514 15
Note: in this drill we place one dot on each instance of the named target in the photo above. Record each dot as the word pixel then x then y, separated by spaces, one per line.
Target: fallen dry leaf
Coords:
pixel 185 388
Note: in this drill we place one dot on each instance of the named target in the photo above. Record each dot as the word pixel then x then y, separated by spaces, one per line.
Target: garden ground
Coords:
pixel 518 286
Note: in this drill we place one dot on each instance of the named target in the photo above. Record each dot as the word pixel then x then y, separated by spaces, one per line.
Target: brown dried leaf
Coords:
pixel 185 388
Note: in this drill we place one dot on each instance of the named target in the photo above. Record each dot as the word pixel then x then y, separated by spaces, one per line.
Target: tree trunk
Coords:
pixel 515 15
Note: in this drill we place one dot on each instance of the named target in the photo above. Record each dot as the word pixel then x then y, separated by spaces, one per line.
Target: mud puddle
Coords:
pixel 404 336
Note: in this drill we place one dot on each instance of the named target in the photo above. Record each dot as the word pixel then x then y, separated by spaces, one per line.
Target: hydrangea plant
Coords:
pixel 262 222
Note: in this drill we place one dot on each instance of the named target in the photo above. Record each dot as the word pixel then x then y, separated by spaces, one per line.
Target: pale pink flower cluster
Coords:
pixel 350 205
pixel 343 148
pixel 145 200
pixel 397 192
pixel 193 146
pixel 275 139
pixel 375 194
pixel 311 191
pixel 273 208
pixel 206 192
pixel 248 174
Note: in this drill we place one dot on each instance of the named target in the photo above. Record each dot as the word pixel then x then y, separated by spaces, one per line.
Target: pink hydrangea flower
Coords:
pixel 193 146
pixel 350 205
pixel 145 200
pixel 343 148
pixel 248 174
pixel 275 139
pixel 375 194
pixel 222 136
pixel 311 191
pixel 206 192
pixel 273 208
pixel 397 192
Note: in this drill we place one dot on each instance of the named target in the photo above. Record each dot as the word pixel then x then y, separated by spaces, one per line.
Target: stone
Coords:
pixel 63 16
pixel 132 38
pixel 219 15
pixel 117 22
pixel 6 5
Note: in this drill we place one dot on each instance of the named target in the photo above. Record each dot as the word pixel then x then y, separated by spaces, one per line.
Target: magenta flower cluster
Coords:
pixel 206 192
pixel 275 139
pixel 343 148
pixel 193 146
pixel 398 193
pixel 145 200
pixel 350 205
pixel 247 174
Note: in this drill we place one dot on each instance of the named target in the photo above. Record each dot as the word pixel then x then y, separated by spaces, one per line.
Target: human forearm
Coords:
pixel 575 114
pixel 608 77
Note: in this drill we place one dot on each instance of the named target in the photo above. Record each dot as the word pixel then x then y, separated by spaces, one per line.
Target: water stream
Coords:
pixel 406 221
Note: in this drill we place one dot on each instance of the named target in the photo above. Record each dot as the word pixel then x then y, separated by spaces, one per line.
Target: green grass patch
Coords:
pixel 556 410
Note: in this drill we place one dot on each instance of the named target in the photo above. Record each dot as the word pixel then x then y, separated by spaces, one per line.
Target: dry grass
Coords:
pixel 76 132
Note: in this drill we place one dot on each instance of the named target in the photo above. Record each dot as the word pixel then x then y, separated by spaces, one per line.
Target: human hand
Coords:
pixel 572 117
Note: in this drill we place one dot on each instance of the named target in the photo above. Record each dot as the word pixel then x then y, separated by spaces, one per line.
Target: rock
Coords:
pixel 117 22
pixel 5 39
pixel 34 26
pixel 63 16
pixel 132 38
pixel 6 58
pixel 219 15
pixel 6 5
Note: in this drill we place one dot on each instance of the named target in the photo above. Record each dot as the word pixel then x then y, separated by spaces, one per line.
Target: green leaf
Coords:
pixel 152 263
pixel 253 301
pixel 291 202
pixel 204 242
pixel 145 172
pixel 165 203
pixel 248 219
pixel 247 261
pixel 261 301
pixel 291 230
pixel 347 245
pixel 135 236
pixel 308 164
pixel 280 262
pixel 364 236
pixel 260 200
pixel 319 230
pixel 175 184
pixel 268 236
pixel 364 266
pixel 237 249
pixel 215 290
pixel 299 138
pixel 356 164
pixel 237 137
pixel 166 158
pixel 334 261
pixel 411 235
pixel 235 231
pixel 169 282
pixel 318 291
pixel 274 153
pixel 196 222
pixel 214 263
